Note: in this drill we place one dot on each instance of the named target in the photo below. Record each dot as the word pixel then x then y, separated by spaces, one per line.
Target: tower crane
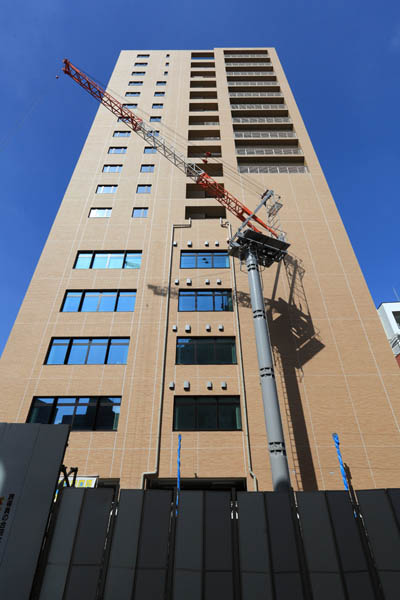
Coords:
pixel 249 244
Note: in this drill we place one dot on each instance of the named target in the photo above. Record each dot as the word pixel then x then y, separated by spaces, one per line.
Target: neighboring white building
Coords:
pixel 389 313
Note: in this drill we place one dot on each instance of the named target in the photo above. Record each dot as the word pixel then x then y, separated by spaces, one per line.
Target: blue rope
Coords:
pixel 342 469
pixel 178 460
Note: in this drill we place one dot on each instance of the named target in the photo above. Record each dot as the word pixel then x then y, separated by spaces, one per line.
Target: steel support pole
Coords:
pixel 272 415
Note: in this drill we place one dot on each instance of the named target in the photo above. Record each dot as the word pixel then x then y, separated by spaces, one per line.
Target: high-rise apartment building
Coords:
pixel 137 324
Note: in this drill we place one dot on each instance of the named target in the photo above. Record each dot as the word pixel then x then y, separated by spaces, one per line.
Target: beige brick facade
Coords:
pixel 335 370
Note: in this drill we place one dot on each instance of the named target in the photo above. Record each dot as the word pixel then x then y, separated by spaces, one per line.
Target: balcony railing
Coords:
pixel 253 64
pixel 253 55
pixel 247 73
pixel 258 106
pixel 254 94
pixel 264 134
pixel 273 169
pixel 261 120
pixel 264 151
pixel 252 83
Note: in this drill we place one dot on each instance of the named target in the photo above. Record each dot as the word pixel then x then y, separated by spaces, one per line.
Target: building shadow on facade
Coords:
pixel 295 341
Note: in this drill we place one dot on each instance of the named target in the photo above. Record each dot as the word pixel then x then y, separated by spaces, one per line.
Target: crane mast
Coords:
pixel 249 244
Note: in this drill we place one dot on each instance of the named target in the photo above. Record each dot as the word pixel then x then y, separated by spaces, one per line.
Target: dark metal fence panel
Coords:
pixel 384 538
pixel 62 544
pixel 121 569
pixel 349 544
pixel 218 582
pixel 284 546
pixel 255 559
pixel 31 457
pixel 188 572
pixel 152 561
pixel 88 552
pixel 319 544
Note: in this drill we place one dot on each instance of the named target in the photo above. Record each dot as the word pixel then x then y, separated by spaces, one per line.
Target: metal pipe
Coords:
pixel 272 415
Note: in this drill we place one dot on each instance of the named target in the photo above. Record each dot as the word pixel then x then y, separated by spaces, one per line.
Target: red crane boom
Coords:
pixel 192 170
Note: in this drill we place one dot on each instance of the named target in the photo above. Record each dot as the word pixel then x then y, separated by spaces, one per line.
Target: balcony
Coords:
pixel 203 107
pixel 252 64
pixel 259 169
pixel 204 134
pixel 249 73
pixel 202 56
pixel 252 83
pixel 202 74
pixel 277 108
pixel 263 54
pixel 203 95
pixel 255 94
pixel 203 65
pixel 196 192
pixel 203 83
pixel 260 120
pixel 209 120
pixel 201 151
pixel 254 151
pixel 212 169
pixel 264 134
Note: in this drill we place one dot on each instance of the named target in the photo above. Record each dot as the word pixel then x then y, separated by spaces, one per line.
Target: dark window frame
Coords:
pixel 213 342
pixel 91 399
pixel 211 292
pixel 235 402
pixel 90 344
pixel 83 292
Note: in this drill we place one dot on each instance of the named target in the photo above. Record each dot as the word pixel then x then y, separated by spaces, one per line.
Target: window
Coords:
pixel 108 260
pixel 87 351
pixel 157 106
pixel 396 315
pixel 147 168
pixel 142 55
pixel 167 64
pixel 159 93
pixel 205 351
pixel 155 119
pixel 166 55
pixel 205 300
pixel 100 212
pixel 106 189
pixel 140 64
pixel 83 413
pixel 154 132
pixel 129 106
pixel 149 150
pixel 165 72
pixel 131 94
pixel 143 189
pixel 204 260
pixel 117 150
pixel 99 301
pixel 123 120
pixel 121 133
pixel 112 168
pixel 135 83
pixel 161 83
pixel 138 73
pixel 207 413
pixel 140 212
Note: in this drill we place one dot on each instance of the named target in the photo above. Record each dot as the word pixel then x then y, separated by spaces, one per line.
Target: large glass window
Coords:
pixel 121 134
pixel 99 301
pixel 143 189
pixel 205 300
pixel 100 213
pixel 147 168
pixel 204 260
pixel 140 212
pixel 207 413
pixel 83 413
pixel 108 260
pixel 205 351
pixel 87 351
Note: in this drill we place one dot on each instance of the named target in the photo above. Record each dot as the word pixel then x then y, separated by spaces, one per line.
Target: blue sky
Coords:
pixel 342 61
